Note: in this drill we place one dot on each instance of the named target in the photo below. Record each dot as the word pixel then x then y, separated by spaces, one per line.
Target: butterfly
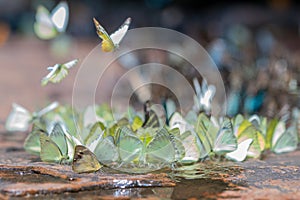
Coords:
pixel 151 118
pixel 48 26
pixel 54 147
pixel 20 118
pixel 84 160
pixel 246 130
pixel 106 151
pixel 241 152
pixel 225 140
pixel 111 42
pixel 58 72
pixel 204 96
pixel 32 142
pixel 218 139
pixel 188 137
pixel 287 142
pixel 161 149
pixel 129 145
pixel 280 139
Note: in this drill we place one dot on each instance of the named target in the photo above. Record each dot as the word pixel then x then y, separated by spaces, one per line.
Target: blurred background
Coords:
pixel 255 45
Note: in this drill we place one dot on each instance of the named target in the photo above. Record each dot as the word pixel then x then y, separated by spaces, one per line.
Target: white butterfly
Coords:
pixel 48 26
pixel 204 95
pixel 58 72
pixel 111 42
pixel 240 153
pixel 20 118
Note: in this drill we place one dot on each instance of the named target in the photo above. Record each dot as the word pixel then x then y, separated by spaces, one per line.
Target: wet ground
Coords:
pixel 23 175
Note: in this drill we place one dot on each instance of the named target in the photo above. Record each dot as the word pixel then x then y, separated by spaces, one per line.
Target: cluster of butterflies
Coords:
pixel 142 142
pixel 49 25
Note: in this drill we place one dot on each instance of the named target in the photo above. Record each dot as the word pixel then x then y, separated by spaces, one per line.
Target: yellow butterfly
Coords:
pixel 111 42
pixel 84 160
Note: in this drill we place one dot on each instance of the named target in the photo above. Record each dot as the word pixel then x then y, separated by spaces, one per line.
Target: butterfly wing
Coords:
pixel 151 118
pixel 118 35
pixel 50 152
pixel 240 153
pixel 107 43
pixel 84 160
pixel 32 142
pixel 226 140
pixel 202 129
pixel 160 149
pixel 129 146
pixel 248 131
pixel 106 151
pixel 71 63
pixel 95 135
pixel 18 119
pixel 58 136
pixel 60 16
pixel 287 142
pixel 43 26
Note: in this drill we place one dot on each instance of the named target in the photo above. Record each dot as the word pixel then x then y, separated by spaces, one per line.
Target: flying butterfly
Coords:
pixel 20 118
pixel 111 42
pixel 58 72
pixel 84 161
pixel 48 25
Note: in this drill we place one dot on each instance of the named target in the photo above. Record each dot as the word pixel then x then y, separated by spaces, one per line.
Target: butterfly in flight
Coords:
pixel 58 72
pixel 48 25
pixel 111 42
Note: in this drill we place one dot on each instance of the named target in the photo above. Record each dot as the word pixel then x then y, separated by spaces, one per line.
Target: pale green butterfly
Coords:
pixel 106 151
pixel 20 118
pixel 111 42
pixel 241 152
pixel 130 146
pixel 187 136
pixel 48 26
pixel 54 148
pixel 225 140
pixel 206 132
pixel 160 149
pixel 94 136
pixel 286 142
pixel 84 161
pixel 58 72
pixel 32 142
